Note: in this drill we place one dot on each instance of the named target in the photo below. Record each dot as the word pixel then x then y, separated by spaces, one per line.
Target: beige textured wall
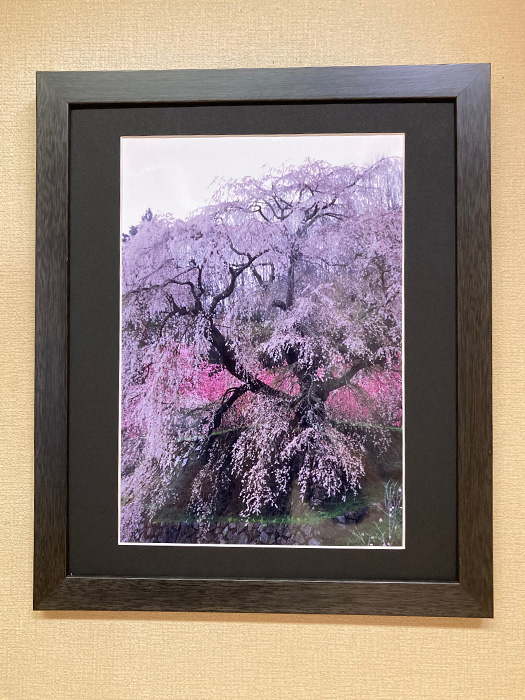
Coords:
pixel 192 657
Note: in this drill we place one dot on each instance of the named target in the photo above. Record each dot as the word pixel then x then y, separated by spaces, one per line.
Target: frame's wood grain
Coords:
pixel 51 323
pixel 469 86
pixel 271 596
pixel 474 368
pixel 282 84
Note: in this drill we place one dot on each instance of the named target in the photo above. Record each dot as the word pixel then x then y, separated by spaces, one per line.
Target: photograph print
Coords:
pixel 261 358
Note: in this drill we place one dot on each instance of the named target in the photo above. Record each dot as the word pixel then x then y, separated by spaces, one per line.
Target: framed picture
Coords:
pixel 263 361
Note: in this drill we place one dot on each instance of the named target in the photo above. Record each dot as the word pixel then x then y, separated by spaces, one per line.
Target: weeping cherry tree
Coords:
pixel 251 330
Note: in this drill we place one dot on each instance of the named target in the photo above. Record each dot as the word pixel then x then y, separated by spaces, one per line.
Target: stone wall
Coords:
pixel 328 531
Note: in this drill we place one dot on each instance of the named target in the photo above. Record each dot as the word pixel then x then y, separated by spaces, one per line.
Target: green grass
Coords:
pixel 367 533
pixel 349 424
pixel 307 516
pixel 371 531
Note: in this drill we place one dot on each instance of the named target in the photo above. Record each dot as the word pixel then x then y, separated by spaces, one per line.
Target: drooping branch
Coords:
pixel 290 286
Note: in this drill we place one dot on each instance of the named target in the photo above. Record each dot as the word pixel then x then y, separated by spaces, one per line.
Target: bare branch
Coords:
pixel 235 272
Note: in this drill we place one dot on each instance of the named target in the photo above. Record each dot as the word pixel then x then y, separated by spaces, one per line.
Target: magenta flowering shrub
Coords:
pixel 256 330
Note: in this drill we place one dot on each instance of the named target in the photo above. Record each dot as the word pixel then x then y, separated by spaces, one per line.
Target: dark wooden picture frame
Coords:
pixel 469 87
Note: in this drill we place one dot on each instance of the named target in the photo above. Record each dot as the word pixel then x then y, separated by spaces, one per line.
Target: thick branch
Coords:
pixel 173 280
pixel 290 287
pixel 234 367
pixel 229 398
pixel 323 389
pixel 235 272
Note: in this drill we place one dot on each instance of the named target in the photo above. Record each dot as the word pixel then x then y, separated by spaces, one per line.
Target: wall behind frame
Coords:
pixel 130 656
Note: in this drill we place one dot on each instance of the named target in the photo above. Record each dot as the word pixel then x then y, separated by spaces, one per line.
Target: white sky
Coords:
pixel 176 173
